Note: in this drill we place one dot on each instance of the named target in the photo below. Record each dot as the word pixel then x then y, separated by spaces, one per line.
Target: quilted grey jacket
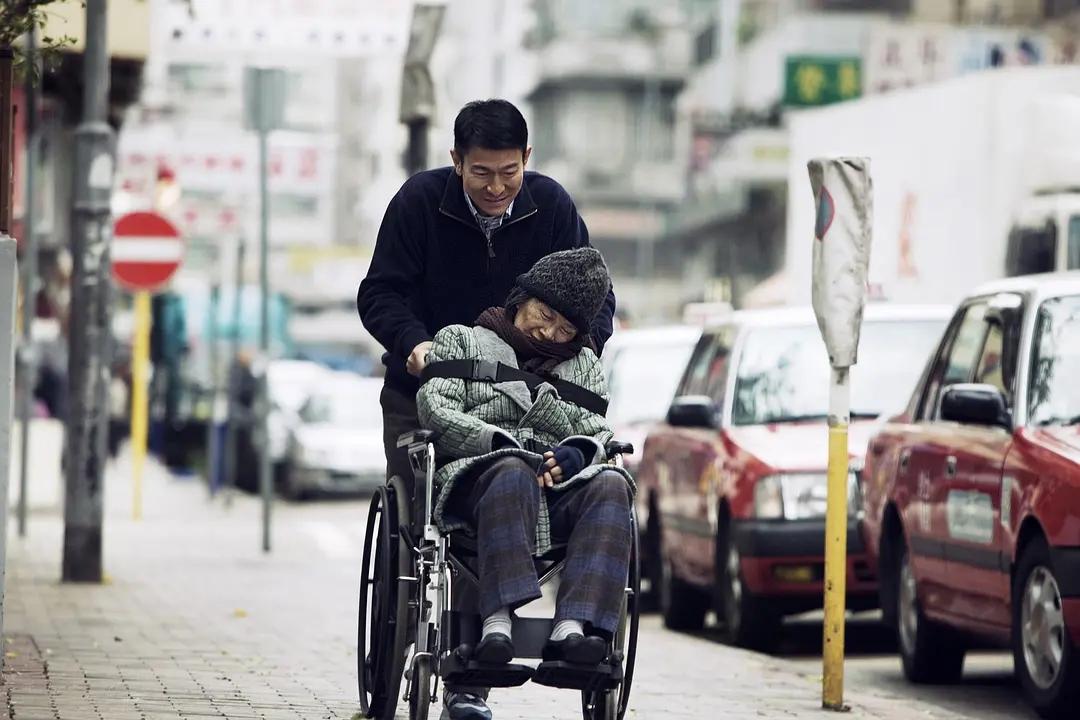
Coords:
pixel 472 417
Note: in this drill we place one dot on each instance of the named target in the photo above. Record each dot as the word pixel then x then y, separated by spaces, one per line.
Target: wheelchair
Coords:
pixel 408 629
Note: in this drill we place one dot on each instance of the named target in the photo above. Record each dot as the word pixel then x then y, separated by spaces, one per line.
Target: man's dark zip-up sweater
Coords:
pixel 433 267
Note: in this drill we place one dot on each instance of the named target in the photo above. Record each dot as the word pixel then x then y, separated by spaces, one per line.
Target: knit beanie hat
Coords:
pixel 574 282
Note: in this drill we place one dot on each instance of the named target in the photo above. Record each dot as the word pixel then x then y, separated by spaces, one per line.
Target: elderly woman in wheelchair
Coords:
pixel 515 467
pixel 529 465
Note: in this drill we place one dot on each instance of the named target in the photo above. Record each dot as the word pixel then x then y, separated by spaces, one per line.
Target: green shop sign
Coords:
pixel 811 80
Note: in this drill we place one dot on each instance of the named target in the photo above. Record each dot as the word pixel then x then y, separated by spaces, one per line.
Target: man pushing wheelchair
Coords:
pixel 483 284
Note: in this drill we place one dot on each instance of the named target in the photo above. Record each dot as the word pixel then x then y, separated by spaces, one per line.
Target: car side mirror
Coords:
pixel 975 404
pixel 692 411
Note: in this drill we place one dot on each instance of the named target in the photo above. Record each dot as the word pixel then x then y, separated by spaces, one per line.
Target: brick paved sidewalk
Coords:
pixel 195 621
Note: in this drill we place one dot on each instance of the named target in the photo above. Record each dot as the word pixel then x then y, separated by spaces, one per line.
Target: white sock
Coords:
pixel 498 622
pixel 565 628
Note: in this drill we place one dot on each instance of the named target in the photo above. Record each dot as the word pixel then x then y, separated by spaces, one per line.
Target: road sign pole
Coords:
pixel 841 256
pixel 140 360
pixel 836 514
pixel 147 251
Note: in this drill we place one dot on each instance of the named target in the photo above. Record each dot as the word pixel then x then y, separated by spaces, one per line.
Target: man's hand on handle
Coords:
pixel 418 358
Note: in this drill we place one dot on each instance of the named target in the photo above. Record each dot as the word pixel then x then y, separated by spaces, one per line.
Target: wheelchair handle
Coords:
pixel 416 437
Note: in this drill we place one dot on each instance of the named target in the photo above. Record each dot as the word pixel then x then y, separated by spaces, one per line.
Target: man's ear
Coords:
pixel 525 156
pixel 459 162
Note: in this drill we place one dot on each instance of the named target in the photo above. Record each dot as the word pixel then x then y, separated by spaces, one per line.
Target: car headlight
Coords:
pixel 801 496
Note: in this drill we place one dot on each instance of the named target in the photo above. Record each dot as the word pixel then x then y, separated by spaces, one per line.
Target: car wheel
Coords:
pixel 1045 659
pixel 750 621
pixel 931 653
pixel 683 605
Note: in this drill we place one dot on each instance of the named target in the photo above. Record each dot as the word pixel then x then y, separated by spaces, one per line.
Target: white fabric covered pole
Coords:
pixel 843 197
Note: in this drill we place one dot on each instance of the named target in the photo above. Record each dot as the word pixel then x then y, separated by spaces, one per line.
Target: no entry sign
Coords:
pixel 146 251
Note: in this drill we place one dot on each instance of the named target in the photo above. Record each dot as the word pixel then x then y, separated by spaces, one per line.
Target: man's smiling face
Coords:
pixel 492 178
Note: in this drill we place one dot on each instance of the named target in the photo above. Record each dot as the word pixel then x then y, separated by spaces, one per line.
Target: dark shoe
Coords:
pixel 464 706
pixel 576 649
pixel 494 649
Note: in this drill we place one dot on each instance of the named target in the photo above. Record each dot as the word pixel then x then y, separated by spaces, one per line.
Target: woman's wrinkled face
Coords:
pixel 541 322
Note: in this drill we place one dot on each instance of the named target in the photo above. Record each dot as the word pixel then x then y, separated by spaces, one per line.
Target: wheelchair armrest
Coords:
pixel 614 447
pixel 415 437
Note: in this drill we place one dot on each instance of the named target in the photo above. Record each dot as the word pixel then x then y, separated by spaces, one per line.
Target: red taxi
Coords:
pixel 972 494
pixel 732 487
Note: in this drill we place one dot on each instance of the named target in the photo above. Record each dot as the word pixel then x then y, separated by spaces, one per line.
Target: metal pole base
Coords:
pixel 82 554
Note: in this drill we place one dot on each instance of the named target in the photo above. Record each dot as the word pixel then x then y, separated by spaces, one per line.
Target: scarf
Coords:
pixel 535 356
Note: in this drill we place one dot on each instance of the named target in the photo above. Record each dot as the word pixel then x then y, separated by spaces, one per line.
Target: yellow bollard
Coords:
pixel 140 360
pixel 836 514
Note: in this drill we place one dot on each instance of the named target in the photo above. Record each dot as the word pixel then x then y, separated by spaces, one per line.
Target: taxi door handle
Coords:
pixel 950 466
pixel 905 459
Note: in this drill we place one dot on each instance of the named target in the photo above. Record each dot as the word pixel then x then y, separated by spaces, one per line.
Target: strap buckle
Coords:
pixel 485 370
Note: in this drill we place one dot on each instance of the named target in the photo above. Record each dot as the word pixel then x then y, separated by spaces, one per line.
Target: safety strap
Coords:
pixel 491 371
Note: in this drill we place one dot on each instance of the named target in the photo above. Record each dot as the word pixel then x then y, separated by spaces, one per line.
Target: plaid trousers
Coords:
pixel 593 519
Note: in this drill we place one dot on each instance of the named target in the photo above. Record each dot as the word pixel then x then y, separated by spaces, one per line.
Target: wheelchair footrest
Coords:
pixel 605 676
pixel 459 669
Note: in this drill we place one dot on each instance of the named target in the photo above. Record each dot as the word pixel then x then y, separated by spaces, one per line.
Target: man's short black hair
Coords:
pixel 490 124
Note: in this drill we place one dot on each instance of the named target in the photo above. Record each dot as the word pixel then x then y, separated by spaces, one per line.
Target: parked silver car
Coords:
pixel 336 446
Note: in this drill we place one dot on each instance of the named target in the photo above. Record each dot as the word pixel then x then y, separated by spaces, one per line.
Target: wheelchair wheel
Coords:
pixel 612 704
pixel 420 693
pixel 383 612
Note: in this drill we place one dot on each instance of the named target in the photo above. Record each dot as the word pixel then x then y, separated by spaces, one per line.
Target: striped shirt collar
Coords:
pixel 488 224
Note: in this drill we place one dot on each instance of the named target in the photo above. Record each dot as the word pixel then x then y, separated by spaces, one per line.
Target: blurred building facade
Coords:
pixel 666 120
pixel 329 166
pixel 190 123
pixel 603 106
pixel 757 61
pixel 59 102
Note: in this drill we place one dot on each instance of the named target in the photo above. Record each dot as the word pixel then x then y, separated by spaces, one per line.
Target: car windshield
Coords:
pixel 344 406
pixel 642 381
pixel 1055 364
pixel 784 371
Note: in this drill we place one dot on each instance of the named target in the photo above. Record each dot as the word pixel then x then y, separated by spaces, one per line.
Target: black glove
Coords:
pixel 569 459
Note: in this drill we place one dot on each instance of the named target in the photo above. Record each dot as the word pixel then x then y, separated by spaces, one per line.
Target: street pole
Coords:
pixel 7 63
pixel 265 111
pixel 843 196
pixel 417 88
pixel 836 514
pixel 7 252
pixel 27 363
pixel 265 470
pixel 416 154
pixel 91 233
pixel 140 366
pixel 8 293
